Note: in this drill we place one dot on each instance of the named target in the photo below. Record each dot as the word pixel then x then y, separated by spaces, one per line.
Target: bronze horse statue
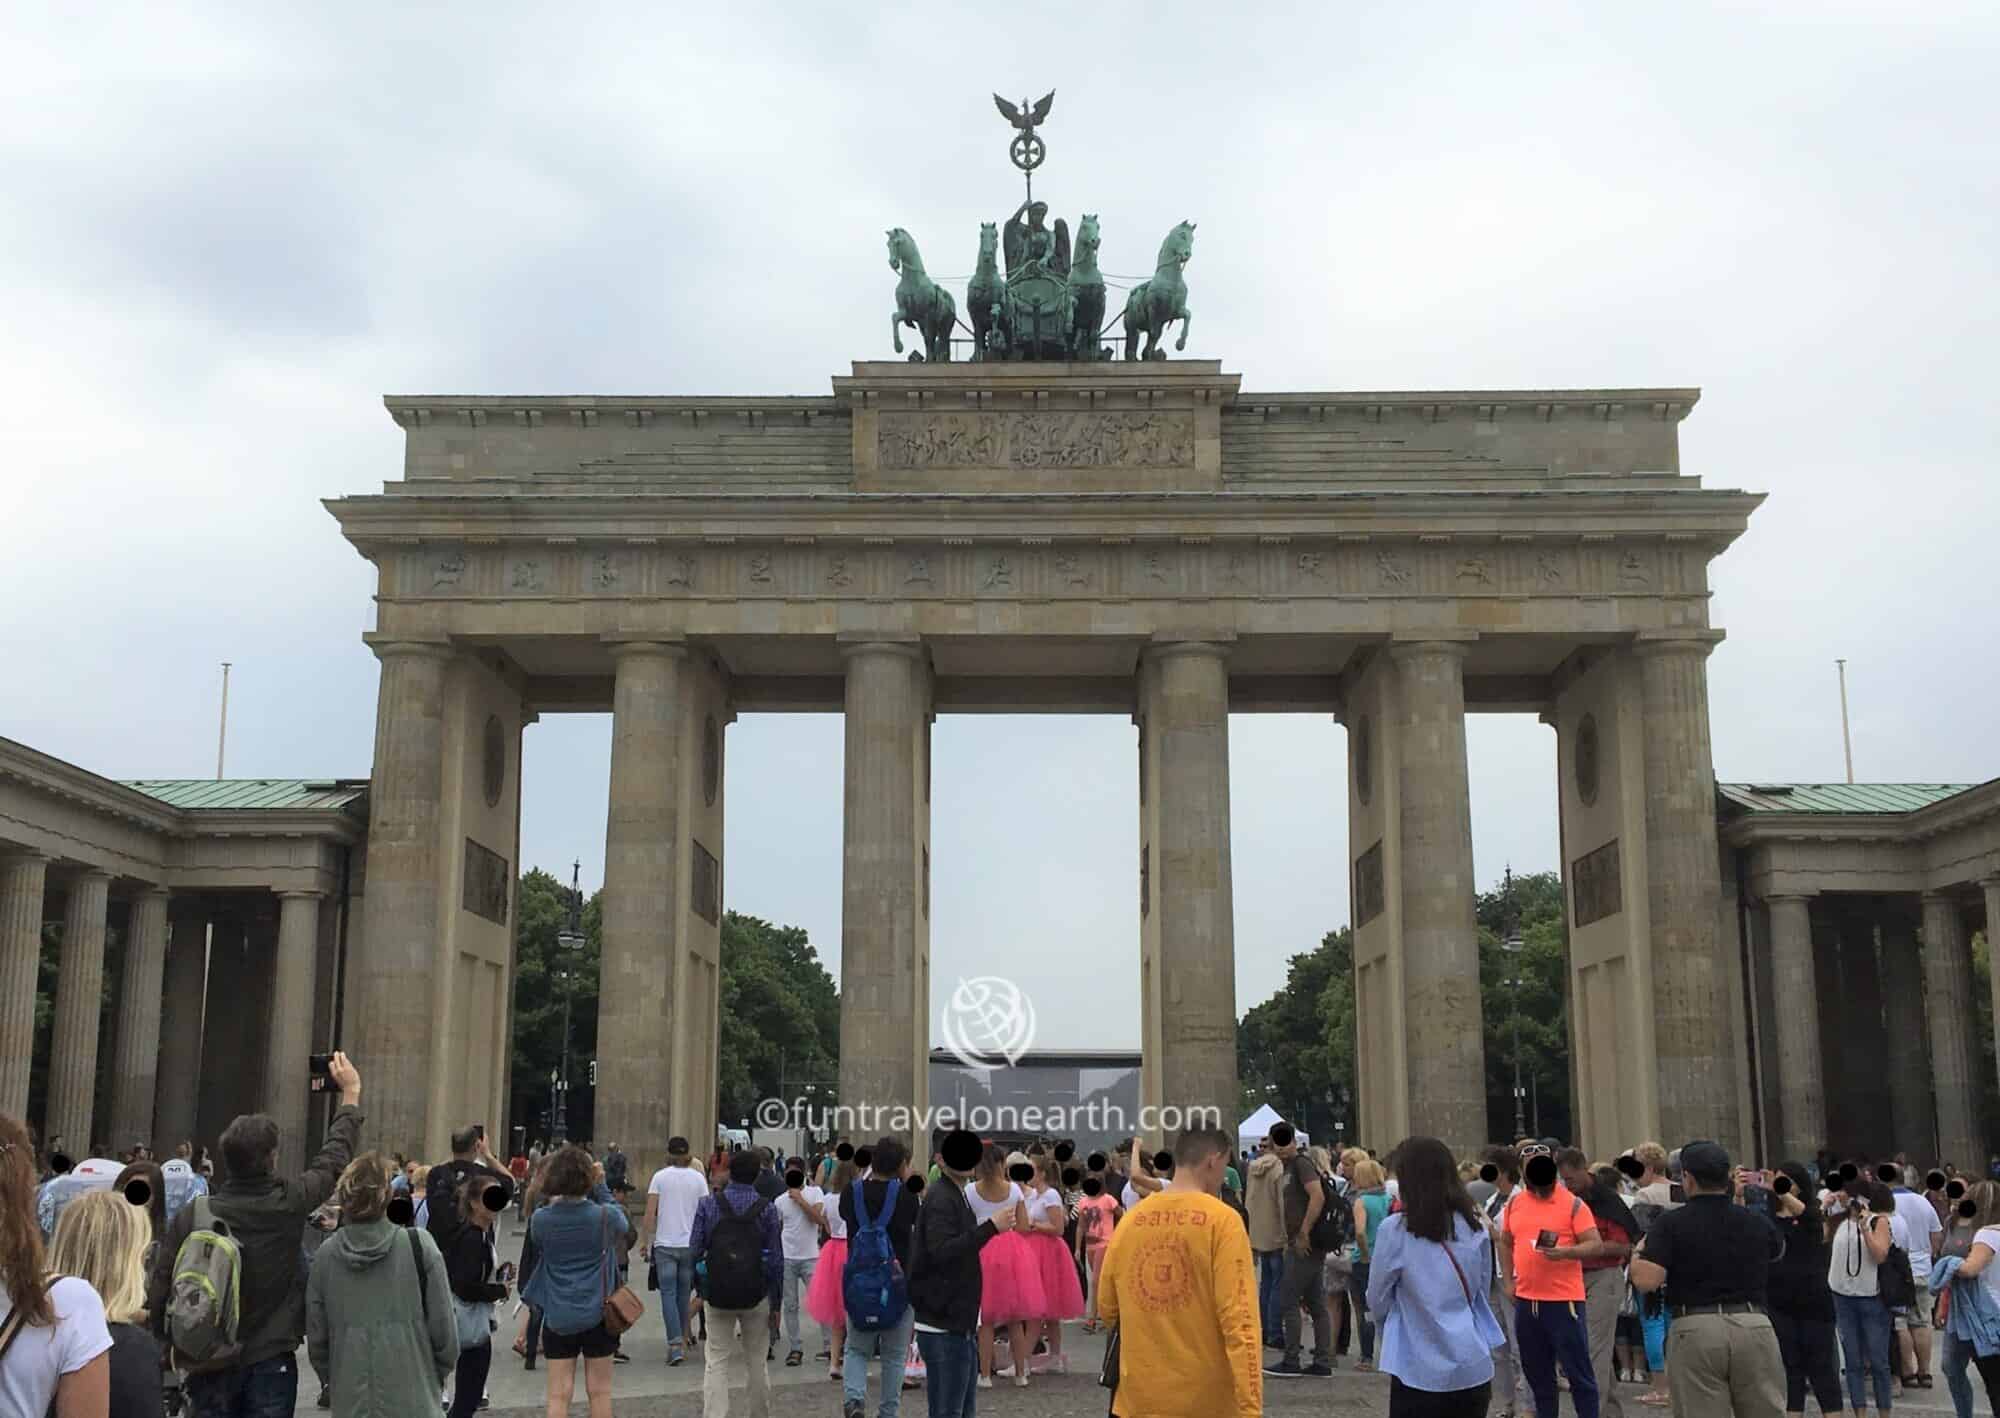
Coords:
pixel 920 302
pixel 1154 304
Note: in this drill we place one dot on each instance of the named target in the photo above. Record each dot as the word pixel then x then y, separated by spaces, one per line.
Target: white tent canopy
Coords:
pixel 1252 1129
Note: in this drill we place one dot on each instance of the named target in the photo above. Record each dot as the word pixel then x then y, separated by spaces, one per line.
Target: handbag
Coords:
pixel 474 1320
pixel 622 1307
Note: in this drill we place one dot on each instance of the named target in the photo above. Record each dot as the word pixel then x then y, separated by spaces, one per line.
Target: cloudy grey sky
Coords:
pixel 231 229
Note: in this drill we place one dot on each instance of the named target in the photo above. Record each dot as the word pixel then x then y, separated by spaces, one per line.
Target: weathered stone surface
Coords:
pixel 23 876
pixel 79 996
pixel 135 1057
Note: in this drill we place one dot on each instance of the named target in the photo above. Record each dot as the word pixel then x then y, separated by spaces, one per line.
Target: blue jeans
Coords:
pixel 951 1367
pixel 268 1388
pixel 893 1344
pixel 1864 1346
pixel 673 1268
pixel 1954 1358
pixel 798 1279
pixel 1552 1332
pixel 1270 1272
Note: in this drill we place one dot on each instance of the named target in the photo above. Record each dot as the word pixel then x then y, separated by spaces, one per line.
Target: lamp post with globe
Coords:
pixel 569 940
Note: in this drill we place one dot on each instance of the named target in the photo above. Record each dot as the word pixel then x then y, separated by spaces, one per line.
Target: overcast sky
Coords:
pixel 229 232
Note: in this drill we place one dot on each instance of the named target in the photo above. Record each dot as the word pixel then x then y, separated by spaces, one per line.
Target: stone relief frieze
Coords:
pixel 1058 440
pixel 1271 566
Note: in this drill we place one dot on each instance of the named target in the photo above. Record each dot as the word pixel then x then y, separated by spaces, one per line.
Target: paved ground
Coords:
pixel 647 1388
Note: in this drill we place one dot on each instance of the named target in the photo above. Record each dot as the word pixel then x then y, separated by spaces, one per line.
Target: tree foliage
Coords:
pixel 1295 1050
pixel 779 1010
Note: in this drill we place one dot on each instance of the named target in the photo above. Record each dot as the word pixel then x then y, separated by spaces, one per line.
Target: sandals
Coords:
pixel 1653 1398
pixel 521 1346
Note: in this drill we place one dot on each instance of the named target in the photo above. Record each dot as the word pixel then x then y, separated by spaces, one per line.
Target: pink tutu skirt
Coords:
pixel 824 1301
pixel 1010 1280
pixel 1062 1296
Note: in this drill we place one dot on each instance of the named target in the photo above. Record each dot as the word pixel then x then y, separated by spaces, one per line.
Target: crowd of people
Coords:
pixel 1477 1285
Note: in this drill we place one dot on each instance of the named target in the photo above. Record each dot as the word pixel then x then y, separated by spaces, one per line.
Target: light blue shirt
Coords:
pixel 1438 1332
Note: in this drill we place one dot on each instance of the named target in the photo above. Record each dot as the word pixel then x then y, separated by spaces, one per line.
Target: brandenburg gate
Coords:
pixel 1142 538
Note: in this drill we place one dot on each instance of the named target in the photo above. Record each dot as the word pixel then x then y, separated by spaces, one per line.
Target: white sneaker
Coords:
pixel 985 1382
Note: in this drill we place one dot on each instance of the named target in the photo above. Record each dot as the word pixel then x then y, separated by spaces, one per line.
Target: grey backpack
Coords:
pixel 204 1305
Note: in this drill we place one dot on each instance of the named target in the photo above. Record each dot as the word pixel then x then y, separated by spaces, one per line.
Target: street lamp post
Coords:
pixel 569 940
pixel 1512 945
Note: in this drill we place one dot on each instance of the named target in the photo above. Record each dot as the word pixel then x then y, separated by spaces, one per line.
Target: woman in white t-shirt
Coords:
pixel 825 1300
pixel 1978 1265
pixel 1859 1244
pixel 52 1334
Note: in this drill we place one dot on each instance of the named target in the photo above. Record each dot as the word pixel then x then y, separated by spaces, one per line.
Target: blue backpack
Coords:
pixel 872 1284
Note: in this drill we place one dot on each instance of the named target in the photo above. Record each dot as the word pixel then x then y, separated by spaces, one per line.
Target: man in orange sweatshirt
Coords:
pixel 1179 1284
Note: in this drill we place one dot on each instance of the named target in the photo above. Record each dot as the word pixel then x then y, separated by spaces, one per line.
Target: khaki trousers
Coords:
pixel 1603 1292
pixel 724 1345
pixel 1726 1366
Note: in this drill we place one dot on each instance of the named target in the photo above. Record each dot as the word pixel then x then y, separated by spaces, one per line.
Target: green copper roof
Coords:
pixel 249 794
pixel 1837 797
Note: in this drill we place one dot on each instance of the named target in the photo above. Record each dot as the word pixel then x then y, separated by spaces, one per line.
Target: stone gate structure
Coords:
pixel 1143 539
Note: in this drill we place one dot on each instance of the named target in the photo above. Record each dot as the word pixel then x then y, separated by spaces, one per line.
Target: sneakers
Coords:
pixel 325 1397
pixel 1284 1369
pixel 853 1408
pixel 1319 1371
pixel 676 1353
pixel 985 1381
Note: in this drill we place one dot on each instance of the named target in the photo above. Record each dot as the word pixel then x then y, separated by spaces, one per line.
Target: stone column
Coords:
pixel 1447 1051
pixel 1694 1043
pixel 180 1030
pixel 643 846
pixel 1801 1129
pixel 23 878
pixel 292 976
pixel 79 998
pixel 389 977
pixel 1954 1050
pixel 1188 718
pixel 1990 886
pixel 136 1055
pixel 1913 1111
pixel 1864 1040
pixel 880 878
pixel 223 1031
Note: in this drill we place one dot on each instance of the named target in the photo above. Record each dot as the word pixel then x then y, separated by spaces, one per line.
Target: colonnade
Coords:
pixel 203 1027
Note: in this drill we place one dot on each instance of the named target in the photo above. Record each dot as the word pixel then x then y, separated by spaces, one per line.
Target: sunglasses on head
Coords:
pixel 1537 1149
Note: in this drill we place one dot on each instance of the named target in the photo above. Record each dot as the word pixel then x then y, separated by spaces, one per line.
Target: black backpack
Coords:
pixel 441 1202
pixel 1333 1229
pixel 735 1257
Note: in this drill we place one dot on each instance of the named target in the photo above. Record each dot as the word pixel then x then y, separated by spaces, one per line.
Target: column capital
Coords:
pixel 95 874
pixel 863 642
pixel 1772 898
pixel 1939 898
pixel 23 856
pixel 1416 647
pixel 305 894
pixel 620 645
pixel 153 888
pixel 392 647
pixel 1676 642
pixel 1214 647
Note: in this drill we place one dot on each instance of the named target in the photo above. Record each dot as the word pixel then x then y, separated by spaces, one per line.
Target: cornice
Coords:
pixel 60 779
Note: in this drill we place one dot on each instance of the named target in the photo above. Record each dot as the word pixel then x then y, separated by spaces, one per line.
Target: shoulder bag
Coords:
pixel 622 1307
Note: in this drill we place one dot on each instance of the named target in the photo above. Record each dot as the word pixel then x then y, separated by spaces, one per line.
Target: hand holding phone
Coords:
pixel 1545 1240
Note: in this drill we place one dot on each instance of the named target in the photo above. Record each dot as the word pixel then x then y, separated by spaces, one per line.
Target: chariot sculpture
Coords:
pixel 1031 296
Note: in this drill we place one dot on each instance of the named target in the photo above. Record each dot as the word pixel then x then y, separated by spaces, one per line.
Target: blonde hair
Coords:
pixel 1319 1158
pixel 1367 1174
pixel 1986 1201
pixel 362 1193
pixel 1651 1156
pixel 102 1238
pixel 1354 1157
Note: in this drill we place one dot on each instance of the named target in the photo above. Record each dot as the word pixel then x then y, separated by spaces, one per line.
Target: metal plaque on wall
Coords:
pixel 485 883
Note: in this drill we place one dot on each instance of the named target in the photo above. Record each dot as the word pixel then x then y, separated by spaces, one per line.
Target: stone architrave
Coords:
pixel 23 878
pixel 136 1055
pixel 79 997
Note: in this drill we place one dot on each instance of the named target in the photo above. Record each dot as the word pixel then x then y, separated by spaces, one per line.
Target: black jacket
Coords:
pixel 944 1260
pixel 267 1216
pixel 469 1266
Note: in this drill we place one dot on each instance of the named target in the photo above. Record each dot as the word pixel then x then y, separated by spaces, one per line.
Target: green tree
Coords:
pixel 1295 1051
pixel 1533 904
pixel 543 974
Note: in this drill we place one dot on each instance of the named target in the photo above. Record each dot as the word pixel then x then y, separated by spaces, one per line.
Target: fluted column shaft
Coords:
pixel 389 977
pixel 1188 715
pixel 1801 1086
pixel 1447 1051
pixel 292 977
pixel 643 848
pixel 23 879
pixel 135 1056
pixel 79 997
pixel 180 1029
pixel 1911 1104
pixel 1694 1043
pixel 880 876
pixel 1954 1049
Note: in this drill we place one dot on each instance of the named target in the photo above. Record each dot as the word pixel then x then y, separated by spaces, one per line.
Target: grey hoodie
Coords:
pixel 366 1329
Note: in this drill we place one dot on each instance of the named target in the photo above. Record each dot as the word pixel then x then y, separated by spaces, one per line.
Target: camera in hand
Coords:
pixel 319 1068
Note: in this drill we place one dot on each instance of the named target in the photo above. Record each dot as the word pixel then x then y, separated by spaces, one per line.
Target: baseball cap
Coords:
pixel 1707 1162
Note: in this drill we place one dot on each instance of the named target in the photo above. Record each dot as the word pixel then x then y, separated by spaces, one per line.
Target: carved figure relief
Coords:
pixel 450 570
pixel 837 573
pixel 954 440
pixel 1475 569
pixel 680 572
pixel 486 883
pixel 1369 894
pixel 999 575
pixel 526 575
pixel 1154 566
pixel 1547 571
pixel 1235 571
pixel 1390 568
pixel 1632 570
pixel 1312 565
pixel 920 571
pixel 1071 570
pixel 760 568
pixel 603 571
pixel 1597 884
